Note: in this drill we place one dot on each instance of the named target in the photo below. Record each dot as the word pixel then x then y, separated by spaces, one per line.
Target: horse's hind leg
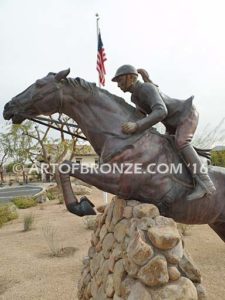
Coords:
pixel 219 228
pixel 102 179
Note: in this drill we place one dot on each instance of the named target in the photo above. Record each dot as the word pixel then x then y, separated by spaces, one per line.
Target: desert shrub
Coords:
pixel 55 194
pixel 28 222
pixel 50 235
pixel 51 195
pixel 24 202
pixel 7 213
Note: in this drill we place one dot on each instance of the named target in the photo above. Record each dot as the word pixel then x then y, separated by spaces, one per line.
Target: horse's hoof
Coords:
pixel 84 208
pixel 87 206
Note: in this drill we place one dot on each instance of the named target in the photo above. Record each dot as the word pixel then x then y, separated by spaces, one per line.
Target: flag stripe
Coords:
pixel 101 58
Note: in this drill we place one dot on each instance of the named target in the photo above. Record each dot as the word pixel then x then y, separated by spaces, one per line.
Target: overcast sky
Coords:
pixel 181 44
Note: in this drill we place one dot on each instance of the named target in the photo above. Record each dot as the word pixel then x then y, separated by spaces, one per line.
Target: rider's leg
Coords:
pixel 183 137
pixel 204 185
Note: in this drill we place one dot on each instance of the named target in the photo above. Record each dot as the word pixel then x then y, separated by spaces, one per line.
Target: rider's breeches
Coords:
pixel 186 129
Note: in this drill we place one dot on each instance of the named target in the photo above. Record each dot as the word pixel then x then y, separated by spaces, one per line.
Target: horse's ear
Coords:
pixel 62 74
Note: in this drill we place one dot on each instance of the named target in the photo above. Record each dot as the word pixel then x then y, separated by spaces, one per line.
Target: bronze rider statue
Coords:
pixel 179 117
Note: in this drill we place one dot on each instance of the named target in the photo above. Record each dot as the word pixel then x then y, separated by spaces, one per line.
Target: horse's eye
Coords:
pixel 40 83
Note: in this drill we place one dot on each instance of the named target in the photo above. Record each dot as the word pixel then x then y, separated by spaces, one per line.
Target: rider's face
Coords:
pixel 123 82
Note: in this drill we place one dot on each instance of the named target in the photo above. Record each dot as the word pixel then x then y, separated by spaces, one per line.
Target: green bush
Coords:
pixel 218 158
pixel 24 202
pixel 51 195
pixel 7 213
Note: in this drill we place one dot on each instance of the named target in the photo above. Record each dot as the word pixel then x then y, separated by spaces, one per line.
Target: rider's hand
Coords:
pixel 129 127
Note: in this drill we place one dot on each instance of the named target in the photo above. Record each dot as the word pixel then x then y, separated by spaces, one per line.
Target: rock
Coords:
pixel 161 221
pixel 117 251
pixel 189 269
pixel 94 287
pixel 101 294
pixel 145 222
pixel 109 287
pixel 164 237
pixel 103 232
pixel 86 261
pixel 202 295
pixel 115 297
pixel 133 203
pixel 155 272
pixel 182 289
pixel 139 291
pixel 91 252
pixel 139 251
pixel 120 230
pixel 94 239
pixel 119 273
pixel 174 274
pixel 145 210
pixel 107 244
pixel 128 212
pixel 112 262
pixel 118 210
pixel 98 247
pixel 126 286
pixel 175 254
pixel 96 262
pixel 130 267
pixel 109 214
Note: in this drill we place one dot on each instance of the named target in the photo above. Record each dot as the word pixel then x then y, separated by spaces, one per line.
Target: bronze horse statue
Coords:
pixel 100 115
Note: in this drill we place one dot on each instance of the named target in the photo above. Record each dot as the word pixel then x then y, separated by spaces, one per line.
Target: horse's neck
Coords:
pixel 98 114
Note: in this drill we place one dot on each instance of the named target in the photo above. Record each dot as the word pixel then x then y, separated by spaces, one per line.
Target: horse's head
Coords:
pixel 42 97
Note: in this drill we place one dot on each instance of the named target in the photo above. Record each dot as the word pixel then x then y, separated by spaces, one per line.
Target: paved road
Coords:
pixel 7 194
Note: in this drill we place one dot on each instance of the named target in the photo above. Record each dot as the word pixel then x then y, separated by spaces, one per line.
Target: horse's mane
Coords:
pixel 92 88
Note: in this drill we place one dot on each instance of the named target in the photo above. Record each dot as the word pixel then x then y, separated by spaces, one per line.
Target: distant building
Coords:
pixel 85 154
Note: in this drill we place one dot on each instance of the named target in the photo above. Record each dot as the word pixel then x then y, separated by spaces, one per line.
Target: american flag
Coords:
pixel 101 58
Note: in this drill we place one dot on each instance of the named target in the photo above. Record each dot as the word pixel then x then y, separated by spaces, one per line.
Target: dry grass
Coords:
pixel 28 222
pixel 50 236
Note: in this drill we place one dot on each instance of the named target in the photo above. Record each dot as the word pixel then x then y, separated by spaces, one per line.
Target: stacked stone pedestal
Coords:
pixel 137 254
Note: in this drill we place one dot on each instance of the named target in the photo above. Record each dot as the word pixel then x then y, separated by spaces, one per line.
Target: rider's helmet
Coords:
pixel 124 70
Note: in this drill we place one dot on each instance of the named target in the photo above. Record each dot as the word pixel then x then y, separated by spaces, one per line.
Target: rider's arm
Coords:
pixel 150 96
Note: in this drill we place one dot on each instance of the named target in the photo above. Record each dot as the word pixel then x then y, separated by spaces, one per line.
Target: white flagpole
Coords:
pixel 105 194
pixel 97 27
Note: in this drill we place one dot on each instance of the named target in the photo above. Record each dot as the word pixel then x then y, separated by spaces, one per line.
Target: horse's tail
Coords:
pixel 145 76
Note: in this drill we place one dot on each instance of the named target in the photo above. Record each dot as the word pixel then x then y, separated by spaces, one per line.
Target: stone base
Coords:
pixel 137 254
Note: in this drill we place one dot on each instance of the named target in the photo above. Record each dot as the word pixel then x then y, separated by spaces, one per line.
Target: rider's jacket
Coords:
pixel 159 107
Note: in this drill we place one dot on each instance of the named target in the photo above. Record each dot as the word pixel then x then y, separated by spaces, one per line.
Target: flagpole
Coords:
pixel 105 194
pixel 97 29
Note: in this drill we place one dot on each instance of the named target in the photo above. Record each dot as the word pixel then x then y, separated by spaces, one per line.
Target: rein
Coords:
pixel 41 120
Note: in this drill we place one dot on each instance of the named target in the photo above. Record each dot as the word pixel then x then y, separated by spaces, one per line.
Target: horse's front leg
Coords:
pixel 102 179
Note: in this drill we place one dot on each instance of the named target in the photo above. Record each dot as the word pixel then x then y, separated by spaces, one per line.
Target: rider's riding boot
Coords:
pixel 204 185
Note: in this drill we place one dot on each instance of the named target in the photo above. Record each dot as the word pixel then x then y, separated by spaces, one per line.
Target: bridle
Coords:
pixel 42 120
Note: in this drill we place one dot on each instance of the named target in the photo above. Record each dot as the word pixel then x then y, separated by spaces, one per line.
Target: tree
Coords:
pixel 52 151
